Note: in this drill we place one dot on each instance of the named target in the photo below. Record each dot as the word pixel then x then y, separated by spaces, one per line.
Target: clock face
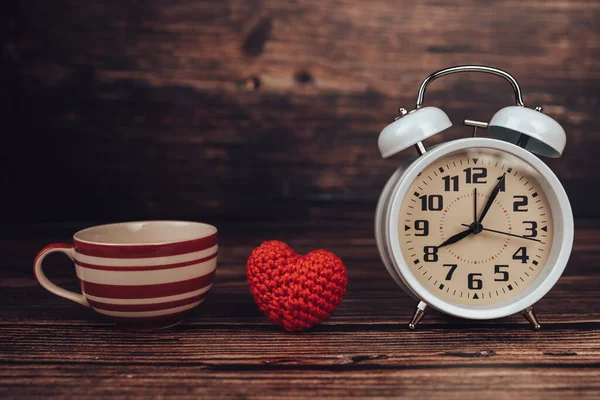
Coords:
pixel 475 227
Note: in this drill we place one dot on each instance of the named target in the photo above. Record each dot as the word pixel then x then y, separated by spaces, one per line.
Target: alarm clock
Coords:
pixel 478 228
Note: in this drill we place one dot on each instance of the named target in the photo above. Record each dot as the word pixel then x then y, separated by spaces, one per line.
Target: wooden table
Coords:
pixel 52 347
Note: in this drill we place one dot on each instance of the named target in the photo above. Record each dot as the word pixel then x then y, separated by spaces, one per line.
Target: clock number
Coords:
pixel 498 270
pixel 452 268
pixel 433 202
pixel 423 226
pixel 519 203
pixel 502 185
pixel 475 177
pixel 430 253
pixel 521 254
pixel 474 283
pixel 450 183
pixel 532 229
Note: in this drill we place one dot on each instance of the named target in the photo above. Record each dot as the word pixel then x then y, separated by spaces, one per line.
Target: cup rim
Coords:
pixel 212 231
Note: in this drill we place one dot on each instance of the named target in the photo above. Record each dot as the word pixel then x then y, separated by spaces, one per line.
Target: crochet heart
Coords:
pixel 294 291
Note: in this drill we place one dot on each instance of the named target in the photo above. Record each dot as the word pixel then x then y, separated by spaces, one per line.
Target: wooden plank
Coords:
pixel 54 348
pixel 270 109
pixel 192 381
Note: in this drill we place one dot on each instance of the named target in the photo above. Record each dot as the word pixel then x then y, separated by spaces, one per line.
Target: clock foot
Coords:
pixel 418 315
pixel 530 316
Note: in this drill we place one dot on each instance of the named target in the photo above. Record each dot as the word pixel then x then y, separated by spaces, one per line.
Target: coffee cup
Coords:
pixel 145 275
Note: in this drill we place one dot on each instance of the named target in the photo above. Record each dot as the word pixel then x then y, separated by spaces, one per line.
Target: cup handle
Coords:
pixel 45 282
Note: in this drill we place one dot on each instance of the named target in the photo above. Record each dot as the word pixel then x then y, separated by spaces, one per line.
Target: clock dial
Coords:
pixel 476 227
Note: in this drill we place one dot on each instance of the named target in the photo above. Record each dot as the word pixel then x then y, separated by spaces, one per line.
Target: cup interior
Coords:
pixel 145 232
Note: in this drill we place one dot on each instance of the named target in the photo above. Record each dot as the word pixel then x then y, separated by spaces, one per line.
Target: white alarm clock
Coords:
pixel 477 228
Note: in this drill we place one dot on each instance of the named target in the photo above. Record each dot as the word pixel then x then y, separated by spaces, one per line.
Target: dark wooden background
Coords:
pixel 262 110
pixel 262 117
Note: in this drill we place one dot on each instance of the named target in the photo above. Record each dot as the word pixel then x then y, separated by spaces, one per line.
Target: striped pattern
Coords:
pixel 148 283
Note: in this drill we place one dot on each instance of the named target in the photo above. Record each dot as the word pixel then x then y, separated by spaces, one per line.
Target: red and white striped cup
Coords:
pixel 145 275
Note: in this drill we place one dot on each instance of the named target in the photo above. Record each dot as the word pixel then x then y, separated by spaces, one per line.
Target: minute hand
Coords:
pixel 492 197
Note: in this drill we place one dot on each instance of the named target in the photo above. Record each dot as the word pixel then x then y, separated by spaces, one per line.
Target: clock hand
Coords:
pixel 475 205
pixel 508 234
pixel 457 237
pixel 492 197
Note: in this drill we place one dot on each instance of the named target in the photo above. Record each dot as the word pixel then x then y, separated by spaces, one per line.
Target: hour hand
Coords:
pixel 456 238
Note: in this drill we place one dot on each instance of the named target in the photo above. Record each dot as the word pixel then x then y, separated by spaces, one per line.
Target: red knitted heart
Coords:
pixel 294 291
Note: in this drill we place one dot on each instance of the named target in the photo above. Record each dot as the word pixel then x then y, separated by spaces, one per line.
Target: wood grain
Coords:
pixel 234 112
pixel 238 110
pixel 50 347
